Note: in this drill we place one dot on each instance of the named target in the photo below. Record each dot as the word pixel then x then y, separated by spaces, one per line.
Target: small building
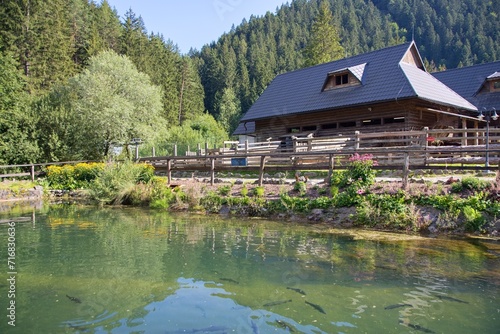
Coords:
pixel 478 84
pixel 384 90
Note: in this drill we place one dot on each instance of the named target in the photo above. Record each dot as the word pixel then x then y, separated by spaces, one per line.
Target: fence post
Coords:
pixel 406 169
pixel 356 140
pixel 476 140
pixel 246 146
pixel 198 149
pixel 261 170
pixel 175 150
pixel 212 171
pixel 206 148
pixel 426 143
pixel 136 152
pixel 331 165
pixel 32 173
pixel 169 171
pixel 153 152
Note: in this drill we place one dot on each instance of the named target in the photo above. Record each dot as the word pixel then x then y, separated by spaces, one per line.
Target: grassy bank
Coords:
pixel 351 198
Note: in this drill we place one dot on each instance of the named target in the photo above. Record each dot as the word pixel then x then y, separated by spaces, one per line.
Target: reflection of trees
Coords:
pixel 123 258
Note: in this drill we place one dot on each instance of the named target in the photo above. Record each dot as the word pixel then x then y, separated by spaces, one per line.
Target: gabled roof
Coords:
pixel 468 82
pixel 385 77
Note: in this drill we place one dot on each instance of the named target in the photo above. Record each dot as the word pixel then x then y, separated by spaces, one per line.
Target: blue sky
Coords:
pixel 194 23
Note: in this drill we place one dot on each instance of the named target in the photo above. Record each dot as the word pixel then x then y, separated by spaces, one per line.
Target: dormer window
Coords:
pixel 350 76
pixel 491 84
pixel 338 80
pixel 495 86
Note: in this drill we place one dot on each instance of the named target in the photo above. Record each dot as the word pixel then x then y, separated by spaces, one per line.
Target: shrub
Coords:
pixel 162 196
pixel 87 172
pixel 360 173
pixel 334 191
pixel 388 210
pixel 224 190
pixel 145 173
pixel 117 181
pixel 212 202
pixel 355 180
pixel 301 187
pixel 259 191
pixel 474 220
pixel 244 191
pixel 69 177
pixel 470 183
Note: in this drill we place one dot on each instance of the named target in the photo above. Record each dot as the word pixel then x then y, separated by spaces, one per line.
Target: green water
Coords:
pixel 135 271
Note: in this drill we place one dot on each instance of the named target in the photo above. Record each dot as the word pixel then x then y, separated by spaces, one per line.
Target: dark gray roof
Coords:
pixel 384 78
pixel 468 81
pixel 246 128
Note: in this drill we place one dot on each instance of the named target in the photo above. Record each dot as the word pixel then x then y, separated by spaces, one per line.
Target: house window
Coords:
pixel 496 85
pixel 329 126
pixel 347 124
pixel 341 79
pixel 375 121
pixel 309 128
pixel 337 80
pixel 394 120
pixel 293 130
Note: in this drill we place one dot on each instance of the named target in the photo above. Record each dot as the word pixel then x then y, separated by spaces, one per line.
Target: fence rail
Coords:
pixel 472 149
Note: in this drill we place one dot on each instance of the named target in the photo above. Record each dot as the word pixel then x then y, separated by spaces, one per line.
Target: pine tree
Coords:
pixel 17 126
pixel 324 43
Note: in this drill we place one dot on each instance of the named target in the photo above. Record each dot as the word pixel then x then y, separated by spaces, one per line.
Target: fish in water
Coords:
pixel 74 299
pixel 229 280
pixel 452 299
pixel 279 302
pixel 417 327
pixel 255 328
pixel 390 307
pixel 285 325
pixel 297 290
pixel 317 307
pixel 210 329
pixel 78 328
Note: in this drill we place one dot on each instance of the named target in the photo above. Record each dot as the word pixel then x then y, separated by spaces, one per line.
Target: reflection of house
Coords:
pixel 479 84
pixel 384 90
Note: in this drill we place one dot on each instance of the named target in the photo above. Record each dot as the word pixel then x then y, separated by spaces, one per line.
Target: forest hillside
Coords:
pixel 56 57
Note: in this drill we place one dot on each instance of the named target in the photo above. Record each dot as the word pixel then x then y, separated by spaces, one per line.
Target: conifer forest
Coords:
pixel 76 78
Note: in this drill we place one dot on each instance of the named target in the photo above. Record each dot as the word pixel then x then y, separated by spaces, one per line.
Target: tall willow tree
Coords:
pixel 110 102
pixel 324 43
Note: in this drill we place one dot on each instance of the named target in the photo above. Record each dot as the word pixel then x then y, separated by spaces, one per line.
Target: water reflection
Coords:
pixel 128 270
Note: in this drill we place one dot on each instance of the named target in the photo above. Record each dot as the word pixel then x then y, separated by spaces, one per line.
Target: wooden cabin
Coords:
pixel 384 90
pixel 478 84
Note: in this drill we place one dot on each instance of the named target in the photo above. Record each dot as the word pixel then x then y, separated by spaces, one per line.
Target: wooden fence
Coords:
pixel 426 149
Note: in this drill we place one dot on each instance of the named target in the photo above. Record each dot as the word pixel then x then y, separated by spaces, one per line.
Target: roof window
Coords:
pixel 349 76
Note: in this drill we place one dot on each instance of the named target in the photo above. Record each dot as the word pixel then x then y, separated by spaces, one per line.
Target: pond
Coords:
pixel 123 270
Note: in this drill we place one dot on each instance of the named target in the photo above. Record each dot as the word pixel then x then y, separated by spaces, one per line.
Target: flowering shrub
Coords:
pixel 355 180
pixel 360 172
pixel 69 177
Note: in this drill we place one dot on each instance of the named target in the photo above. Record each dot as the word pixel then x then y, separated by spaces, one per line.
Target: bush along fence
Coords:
pixel 470 205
